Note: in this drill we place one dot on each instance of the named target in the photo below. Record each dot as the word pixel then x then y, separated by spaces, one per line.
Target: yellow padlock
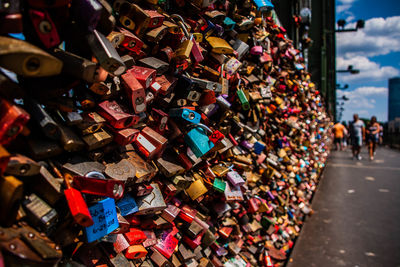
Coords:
pixel 219 45
pixel 196 189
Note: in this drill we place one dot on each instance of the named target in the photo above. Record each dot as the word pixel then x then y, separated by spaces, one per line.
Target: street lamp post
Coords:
pixel 341 23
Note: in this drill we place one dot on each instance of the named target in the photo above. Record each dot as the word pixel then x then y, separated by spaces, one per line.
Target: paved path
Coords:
pixel 357 214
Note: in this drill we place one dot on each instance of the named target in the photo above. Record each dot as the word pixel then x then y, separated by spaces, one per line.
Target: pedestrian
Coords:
pixel 372 131
pixel 357 136
pixel 345 135
pixel 339 132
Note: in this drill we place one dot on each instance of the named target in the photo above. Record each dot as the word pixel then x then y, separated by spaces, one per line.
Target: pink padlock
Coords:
pixel 256 50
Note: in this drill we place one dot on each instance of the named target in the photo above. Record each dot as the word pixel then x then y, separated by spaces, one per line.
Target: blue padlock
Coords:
pixel 186 114
pixel 198 141
pixel 229 23
pixel 104 215
pixel 127 205
pixel 263 5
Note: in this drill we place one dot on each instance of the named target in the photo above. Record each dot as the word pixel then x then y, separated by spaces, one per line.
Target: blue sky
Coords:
pixel 374 50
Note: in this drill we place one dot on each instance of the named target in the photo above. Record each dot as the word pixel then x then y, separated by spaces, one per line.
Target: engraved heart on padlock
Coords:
pixel 153 195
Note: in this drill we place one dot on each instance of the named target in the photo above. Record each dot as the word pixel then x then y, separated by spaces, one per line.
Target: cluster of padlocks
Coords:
pixel 153 133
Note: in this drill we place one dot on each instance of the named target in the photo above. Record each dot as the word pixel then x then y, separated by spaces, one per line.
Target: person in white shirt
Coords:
pixel 357 136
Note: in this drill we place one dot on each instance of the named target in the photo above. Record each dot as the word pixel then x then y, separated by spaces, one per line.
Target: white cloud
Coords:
pixel 379 37
pixel 342 8
pixel 347 1
pixel 363 101
pixel 369 70
pixel 344 5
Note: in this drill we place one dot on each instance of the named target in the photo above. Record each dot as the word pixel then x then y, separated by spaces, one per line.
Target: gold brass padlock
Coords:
pixel 185 48
pixel 219 45
pixel 196 189
pixel 27 60
pixel 11 194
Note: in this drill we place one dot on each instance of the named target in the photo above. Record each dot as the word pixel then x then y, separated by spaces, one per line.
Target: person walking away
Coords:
pixel 345 135
pixel 358 135
pixel 372 131
pixel 339 132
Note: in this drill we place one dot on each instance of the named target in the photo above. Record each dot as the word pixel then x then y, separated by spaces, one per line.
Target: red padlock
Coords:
pixel 131 42
pixel 216 137
pixel 12 121
pixel 99 187
pixel 45 28
pixel 76 204
pixel 135 236
pixel 144 75
pixel 135 92
pixel 114 114
pixel 160 120
pixel 125 136
pixel 135 252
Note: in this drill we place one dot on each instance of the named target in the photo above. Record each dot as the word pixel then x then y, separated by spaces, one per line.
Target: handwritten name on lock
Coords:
pixel 105 219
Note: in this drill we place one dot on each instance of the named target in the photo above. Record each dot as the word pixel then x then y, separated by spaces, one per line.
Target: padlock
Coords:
pixel 105 219
pixel 99 187
pixel 159 259
pixel 144 75
pixel 167 245
pixel 13 119
pixel 185 48
pixel 156 34
pixel 44 27
pixel 11 190
pixel 135 252
pixel 77 66
pixel 87 13
pixel 39 213
pixel 4 159
pixel 241 48
pixel 19 165
pixel 196 190
pixel 156 19
pixel 144 171
pixel 105 53
pixel 27 60
pixel 195 49
pixel 185 114
pixel 121 243
pixel 243 99
pixel 141 19
pixel 151 203
pixel 131 42
pixel 198 140
pixel 135 236
pixel 154 63
pixel 219 46
pixel 97 139
pixel 115 115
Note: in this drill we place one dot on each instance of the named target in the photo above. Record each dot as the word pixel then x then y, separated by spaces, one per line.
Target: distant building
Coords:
pixel 394 98
pixel 394 126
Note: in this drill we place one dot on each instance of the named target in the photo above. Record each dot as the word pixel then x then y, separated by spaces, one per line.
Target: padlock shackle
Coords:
pixel 181 23
pixel 204 127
